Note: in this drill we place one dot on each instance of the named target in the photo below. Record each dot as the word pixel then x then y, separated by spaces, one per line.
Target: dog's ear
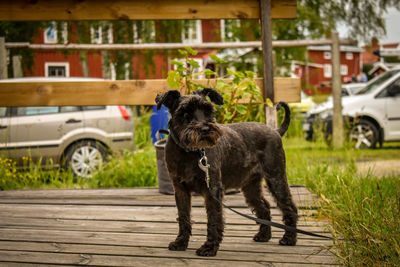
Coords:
pixel 168 99
pixel 214 96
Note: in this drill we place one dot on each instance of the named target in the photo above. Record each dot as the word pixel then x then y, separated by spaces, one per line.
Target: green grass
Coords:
pixel 360 207
pixel 132 169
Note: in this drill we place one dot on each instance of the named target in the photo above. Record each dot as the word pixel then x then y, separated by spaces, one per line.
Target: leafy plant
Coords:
pixel 243 100
pixel 184 74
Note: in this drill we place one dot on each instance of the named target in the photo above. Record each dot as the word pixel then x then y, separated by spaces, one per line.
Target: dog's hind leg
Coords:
pixel 258 204
pixel 183 203
pixel 279 188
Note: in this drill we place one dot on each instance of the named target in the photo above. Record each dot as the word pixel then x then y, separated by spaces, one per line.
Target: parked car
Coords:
pixel 303 106
pixel 75 137
pixel 372 114
pixel 350 89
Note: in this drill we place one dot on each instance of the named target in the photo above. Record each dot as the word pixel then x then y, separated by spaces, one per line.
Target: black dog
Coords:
pixel 240 155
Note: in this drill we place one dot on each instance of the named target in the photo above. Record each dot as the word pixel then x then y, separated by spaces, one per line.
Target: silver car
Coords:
pixel 75 137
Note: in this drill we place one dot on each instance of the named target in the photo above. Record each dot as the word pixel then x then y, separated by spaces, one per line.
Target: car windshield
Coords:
pixel 377 82
pixel 354 90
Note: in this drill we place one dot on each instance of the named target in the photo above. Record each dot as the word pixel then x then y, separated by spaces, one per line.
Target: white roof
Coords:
pixel 343 48
pixel 52 79
pixel 384 66
pixel 315 65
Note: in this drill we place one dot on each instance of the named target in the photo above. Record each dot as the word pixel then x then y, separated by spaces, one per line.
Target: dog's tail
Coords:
pixel 285 124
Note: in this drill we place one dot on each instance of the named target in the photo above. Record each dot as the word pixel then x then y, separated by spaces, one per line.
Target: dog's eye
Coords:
pixel 187 117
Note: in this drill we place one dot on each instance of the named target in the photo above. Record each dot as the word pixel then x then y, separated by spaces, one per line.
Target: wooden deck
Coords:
pixel 133 227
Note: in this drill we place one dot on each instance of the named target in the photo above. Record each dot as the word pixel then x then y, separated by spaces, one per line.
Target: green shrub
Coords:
pixel 132 169
pixel 142 129
pixel 243 99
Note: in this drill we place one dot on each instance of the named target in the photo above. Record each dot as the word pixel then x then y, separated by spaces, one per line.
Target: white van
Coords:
pixel 373 113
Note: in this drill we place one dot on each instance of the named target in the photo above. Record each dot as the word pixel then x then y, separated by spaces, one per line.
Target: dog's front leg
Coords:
pixel 183 203
pixel 215 223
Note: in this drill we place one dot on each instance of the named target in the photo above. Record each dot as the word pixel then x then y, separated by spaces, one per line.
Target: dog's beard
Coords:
pixel 194 138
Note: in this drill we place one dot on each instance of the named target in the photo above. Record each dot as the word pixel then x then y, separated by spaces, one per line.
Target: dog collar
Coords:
pixel 178 143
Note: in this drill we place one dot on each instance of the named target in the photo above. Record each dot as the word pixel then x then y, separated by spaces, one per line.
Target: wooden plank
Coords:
pixel 163 253
pixel 126 92
pixel 107 260
pixel 302 202
pixel 167 46
pixel 134 193
pixel 133 197
pixel 137 192
pixel 27 10
pixel 85 248
pixel 118 212
pixel 142 239
pixel 249 246
pixel 242 230
pixel 127 197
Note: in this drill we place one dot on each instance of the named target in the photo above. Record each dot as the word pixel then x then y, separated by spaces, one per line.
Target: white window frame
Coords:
pixel 137 39
pixel 344 69
pixel 227 36
pixel 327 70
pixel 327 55
pixel 349 56
pixel 54 39
pixel 114 73
pixel 99 31
pixel 56 64
pixel 127 64
pixel 198 32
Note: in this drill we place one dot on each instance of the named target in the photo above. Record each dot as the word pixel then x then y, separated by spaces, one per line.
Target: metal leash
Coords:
pixel 205 167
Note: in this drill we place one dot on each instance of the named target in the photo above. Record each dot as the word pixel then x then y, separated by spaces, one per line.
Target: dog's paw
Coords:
pixel 178 245
pixel 262 237
pixel 208 250
pixel 288 240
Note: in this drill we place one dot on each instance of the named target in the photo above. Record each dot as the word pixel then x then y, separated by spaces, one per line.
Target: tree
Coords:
pixel 317 19
pixel 363 18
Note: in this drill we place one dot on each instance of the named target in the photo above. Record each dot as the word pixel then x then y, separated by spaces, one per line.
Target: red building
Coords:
pixel 50 63
pixel 316 74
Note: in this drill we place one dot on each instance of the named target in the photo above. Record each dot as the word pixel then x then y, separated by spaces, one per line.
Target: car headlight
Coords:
pixel 326 113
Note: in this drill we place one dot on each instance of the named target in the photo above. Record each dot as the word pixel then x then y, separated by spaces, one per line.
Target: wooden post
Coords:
pixel 17 66
pixel 307 71
pixel 3 59
pixel 337 135
pixel 268 68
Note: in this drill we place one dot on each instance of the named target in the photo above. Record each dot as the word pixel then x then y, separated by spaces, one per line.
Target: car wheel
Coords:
pixel 85 158
pixel 364 134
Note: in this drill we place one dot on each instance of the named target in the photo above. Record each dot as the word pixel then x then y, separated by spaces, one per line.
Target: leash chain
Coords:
pixel 205 167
